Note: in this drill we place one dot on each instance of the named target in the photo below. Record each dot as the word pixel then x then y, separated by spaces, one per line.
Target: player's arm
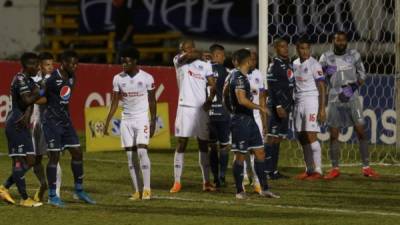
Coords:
pixel 276 94
pixel 264 116
pixel 212 87
pixel 188 57
pixel 244 101
pixel 321 100
pixel 25 119
pixel 113 108
pixel 153 110
pixel 360 70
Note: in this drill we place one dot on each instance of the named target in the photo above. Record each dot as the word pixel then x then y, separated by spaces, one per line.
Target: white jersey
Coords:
pixel 134 94
pixel 36 108
pixel 192 81
pixel 306 74
pixel 257 85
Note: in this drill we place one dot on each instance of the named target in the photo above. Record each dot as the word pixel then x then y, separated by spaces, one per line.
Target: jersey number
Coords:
pixel 146 128
pixel 312 117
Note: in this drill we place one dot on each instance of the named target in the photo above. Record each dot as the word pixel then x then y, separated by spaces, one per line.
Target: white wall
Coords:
pixel 19 27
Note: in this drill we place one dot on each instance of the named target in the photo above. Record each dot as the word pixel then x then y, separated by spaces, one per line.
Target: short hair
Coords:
pixel 45 56
pixel 340 32
pixel 184 41
pixel 241 55
pixel 303 40
pixel 280 40
pixel 215 47
pixel 68 54
pixel 26 57
pixel 130 52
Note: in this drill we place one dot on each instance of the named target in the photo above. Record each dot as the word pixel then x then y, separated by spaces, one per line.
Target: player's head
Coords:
pixel 243 58
pixel 187 46
pixel 235 60
pixel 46 61
pixel 217 53
pixel 206 56
pixel 69 61
pixel 281 48
pixel 253 59
pixel 129 59
pixel 303 48
pixel 340 42
pixel 30 63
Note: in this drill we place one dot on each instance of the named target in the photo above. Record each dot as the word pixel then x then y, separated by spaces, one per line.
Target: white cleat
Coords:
pixel 241 195
pixel 269 194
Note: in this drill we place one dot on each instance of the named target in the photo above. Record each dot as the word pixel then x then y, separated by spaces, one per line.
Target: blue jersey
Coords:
pixel 58 94
pixel 218 112
pixel 20 85
pixel 238 81
pixel 281 84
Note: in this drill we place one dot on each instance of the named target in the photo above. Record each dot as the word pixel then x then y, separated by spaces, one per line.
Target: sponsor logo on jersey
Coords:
pixel 290 74
pixel 65 93
pixel 195 75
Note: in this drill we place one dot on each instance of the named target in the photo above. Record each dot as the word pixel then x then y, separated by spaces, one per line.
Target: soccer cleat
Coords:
pixel 241 195
pixel 83 196
pixel 333 173
pixel 314 176
pixel 56 201
pixel 208 187
pixel 176 188
pixel 302 176
pixel 257 188
pixel 277 175
pixel 222 181
pixel 269 194
pixel 146 194
pixel 30 203
pixel 5 195
pixel 135 196
pixel 39 195
pixel 369 172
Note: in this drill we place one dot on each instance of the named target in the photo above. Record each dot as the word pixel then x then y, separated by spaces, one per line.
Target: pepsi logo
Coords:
pixel 65 93
pixel 289 74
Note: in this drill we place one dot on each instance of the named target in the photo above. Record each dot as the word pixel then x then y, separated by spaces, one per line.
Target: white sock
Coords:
pixel 204 166
pixel 145 167
pixel 308 158
pixel 178 166
pixel 132 171
pixel 58 180
pixel 245 169
pixel 316 149
pixel 255 177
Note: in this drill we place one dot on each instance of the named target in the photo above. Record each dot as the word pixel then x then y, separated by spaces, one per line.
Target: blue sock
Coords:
pixel 268 148
pixel 18 176
pixel 259 166
pixel 238 175
pixel 51 171
pixel 223 160
pixel 275 158
pixel 214 163
pixel 77 170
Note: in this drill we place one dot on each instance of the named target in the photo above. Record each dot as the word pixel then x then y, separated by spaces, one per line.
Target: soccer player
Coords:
pixel 58 129
pixel 258 90
pixel 136 90
pixel 219 119
pixel 24 94
pixel 39 143
pixel 345 74
pixel 245 132
pixel 280 101
pixel 193 76
pixel 309 109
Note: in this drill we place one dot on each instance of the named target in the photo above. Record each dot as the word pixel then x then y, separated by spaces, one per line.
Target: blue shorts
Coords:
pixel 277 127
pixel 245 134
pixel 220 132
pixel 59 136
pixel 19 140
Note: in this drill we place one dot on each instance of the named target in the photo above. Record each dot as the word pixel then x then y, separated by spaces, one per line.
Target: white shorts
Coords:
pixel 191 122
pixel 259 125
pixel 135 132
pixel 305 114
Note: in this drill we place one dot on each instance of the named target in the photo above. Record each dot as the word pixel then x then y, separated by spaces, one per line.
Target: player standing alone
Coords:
pixel 245 132
pixel 58 129
pixel 309 109
pixel 193 75
pixel 345 74
pixel 136 90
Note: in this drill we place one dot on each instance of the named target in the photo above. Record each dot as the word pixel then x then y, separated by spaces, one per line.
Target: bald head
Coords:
pixel 187 46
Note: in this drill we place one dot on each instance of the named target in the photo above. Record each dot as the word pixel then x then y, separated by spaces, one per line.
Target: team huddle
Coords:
pixel 237 109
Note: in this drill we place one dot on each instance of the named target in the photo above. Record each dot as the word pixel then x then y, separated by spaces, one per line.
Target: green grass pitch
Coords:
pixel 352 199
